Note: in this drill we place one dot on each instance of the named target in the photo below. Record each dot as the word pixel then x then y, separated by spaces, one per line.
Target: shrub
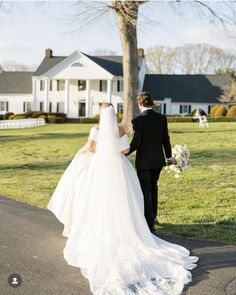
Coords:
pixel 231 112
pixel 220 111
pixel 213 110
pixel 28 114
pixel 222 119
pixel 55 119
pixel 17 116
pixel 179 119
pixel 89 120
pixel 37 114
pixel 119 117
pixel 7 115
pixel 57 114
pixel 44 117
pixel 1 117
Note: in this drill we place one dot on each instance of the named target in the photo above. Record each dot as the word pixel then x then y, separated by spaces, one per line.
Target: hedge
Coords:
pixel 231 112
pixel 220 111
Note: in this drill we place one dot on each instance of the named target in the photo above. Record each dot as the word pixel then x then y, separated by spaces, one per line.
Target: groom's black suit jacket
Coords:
pixel 151 140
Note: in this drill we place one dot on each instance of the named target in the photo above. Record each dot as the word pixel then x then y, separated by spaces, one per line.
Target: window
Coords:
pixel 209 110
pixel 41 106
pixel 82 109
pixel 50 85
pixel 119 85
pixel 81 85
pixel 164 108
pixel 4 106
pixel 60 107
pixel 60 85
pixel 27 106
pixel 185 109
pixel 120 108
pixel 42 85
pixel 103 85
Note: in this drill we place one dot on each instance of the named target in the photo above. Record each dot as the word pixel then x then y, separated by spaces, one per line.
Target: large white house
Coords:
pixel 78 83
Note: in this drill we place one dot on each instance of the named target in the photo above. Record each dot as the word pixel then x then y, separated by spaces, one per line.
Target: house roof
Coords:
pixel 111 63
pixel 186 88
pixel 16 82
pixel 47 64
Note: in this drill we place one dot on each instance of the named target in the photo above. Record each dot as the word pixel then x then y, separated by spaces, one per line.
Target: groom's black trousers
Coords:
pixel 148 180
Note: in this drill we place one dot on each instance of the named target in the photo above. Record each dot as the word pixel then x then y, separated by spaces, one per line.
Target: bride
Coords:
pixel 100 203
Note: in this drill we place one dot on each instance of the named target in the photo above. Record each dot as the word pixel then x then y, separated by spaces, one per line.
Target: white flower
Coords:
pixel 182 157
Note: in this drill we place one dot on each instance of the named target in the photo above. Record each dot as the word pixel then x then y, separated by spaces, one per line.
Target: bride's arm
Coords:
pixel 91 143
pixel 88 147
pixel 122 133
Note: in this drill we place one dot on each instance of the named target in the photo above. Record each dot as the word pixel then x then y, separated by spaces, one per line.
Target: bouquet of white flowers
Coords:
pixel 181 155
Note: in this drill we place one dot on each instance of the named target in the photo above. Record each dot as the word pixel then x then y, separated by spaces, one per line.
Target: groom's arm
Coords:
pixel 137 138
pixel 166 140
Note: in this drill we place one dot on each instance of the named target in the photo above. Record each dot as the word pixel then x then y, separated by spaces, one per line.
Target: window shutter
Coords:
pixel 50 107
pixel 189 109
pixel 100 85
pixel 57 107
pixel 24 106
pixel 41 106
pixel 164 111
pixel 7 106
pixel 181 109
pixel 58 85
pixel 118 86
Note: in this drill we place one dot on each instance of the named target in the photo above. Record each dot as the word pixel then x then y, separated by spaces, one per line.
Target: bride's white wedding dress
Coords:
pixel 100 202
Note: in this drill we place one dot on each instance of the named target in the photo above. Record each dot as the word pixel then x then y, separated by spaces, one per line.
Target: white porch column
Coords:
pixel 88 112
pixel 34 89
pixel 46 89
pixel 66 103
pixel 109 91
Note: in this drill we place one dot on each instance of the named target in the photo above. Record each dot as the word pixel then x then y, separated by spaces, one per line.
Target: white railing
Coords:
pixel 21 123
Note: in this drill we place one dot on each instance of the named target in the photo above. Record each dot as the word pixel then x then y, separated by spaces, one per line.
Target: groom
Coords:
pixel 152 143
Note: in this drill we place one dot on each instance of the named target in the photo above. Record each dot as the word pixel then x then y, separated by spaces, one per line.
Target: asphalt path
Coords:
pixel 31 245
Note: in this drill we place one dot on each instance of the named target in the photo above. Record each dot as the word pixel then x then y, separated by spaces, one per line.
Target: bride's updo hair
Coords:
pixel 105 105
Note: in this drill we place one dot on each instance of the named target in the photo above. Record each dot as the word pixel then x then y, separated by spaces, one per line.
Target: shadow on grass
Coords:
pixel 43 136
pixel 212 255
pixel 37 166
pixel 202 131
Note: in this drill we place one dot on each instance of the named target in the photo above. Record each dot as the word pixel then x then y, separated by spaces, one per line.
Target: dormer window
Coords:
pixel 77 64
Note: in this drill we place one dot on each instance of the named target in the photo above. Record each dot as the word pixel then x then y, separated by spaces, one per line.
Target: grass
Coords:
pixel 201 204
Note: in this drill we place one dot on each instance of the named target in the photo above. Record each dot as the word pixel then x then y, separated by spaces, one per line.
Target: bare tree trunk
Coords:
pixel 127 14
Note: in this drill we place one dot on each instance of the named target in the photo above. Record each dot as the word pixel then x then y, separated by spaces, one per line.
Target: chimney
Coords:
pixel 140 52
pixel 48 52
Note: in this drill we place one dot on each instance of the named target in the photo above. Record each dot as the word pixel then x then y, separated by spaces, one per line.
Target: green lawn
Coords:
pixel 201 204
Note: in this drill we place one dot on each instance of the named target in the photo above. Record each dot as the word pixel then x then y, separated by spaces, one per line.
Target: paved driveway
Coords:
pixel 31 245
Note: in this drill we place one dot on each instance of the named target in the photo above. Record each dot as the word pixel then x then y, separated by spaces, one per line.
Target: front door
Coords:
pixel 82 109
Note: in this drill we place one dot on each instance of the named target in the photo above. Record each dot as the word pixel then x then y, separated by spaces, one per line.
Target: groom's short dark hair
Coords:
pixel 145 99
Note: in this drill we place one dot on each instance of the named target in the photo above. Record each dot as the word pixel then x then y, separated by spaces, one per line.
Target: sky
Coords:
pixel 29 27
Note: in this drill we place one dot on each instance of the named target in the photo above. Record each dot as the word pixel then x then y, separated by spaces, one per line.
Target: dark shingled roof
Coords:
pixel 47 64
pixel 111 63
pixel 186 88
pixel 16 82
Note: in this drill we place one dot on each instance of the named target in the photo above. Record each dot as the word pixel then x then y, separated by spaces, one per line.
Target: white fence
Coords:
pixel 21 123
